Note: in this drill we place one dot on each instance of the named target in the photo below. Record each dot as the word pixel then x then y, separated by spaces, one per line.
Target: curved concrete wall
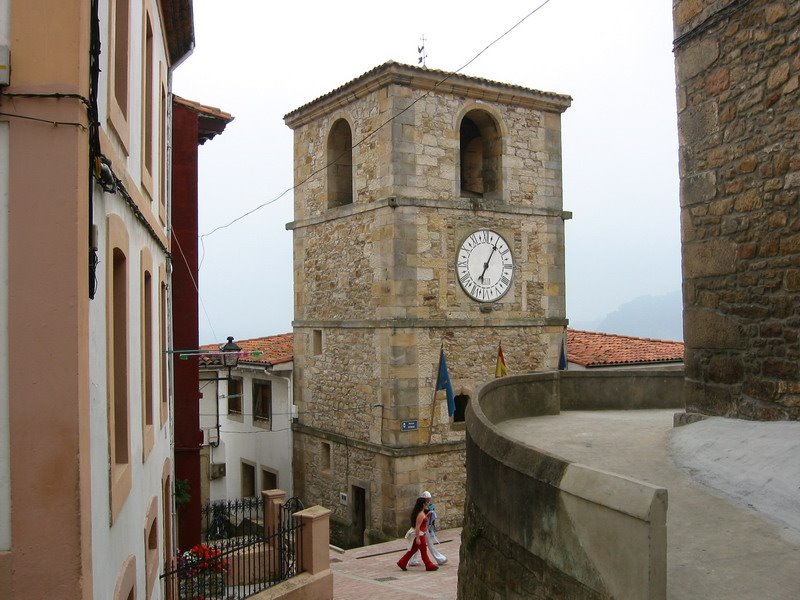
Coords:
pixel 538 526
pixel 621 390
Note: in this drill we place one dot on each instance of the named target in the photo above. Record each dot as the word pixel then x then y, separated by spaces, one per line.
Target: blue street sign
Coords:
pixel 409 425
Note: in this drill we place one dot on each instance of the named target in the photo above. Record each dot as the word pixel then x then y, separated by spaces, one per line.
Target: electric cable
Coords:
pixel 377 129
pixel 194 283
pixel 48 121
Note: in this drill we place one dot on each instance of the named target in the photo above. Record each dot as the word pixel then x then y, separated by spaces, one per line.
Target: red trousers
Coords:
pixel 422 546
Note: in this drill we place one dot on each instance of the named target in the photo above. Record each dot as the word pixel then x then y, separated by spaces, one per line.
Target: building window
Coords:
pixel 262 403
pixel 119 349
pixel 119 69
pixel 340 164
pixel 125 587
pixel 151 546
pixel 248 480
pixel 163 357
pixel 166 511
pixel 235 388
pixel 269 480
pixel 316 342
pixel 480 154
pixel 147 107
pixel 461 402
pixel 151 554
pixel 117 364
pixel 162 147
pixel 147 344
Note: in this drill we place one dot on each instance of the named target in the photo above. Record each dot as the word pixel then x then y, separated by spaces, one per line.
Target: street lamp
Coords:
pixel 230 354
pixel 229 358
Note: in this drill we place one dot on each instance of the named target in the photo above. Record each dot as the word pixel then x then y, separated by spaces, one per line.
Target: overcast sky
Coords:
pixel 259 60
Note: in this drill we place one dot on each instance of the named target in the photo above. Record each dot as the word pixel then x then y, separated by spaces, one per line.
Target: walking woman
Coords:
pixel 419 521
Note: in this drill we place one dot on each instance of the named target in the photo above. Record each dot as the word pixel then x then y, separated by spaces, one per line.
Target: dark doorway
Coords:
pixel 461 402
pixel 359 526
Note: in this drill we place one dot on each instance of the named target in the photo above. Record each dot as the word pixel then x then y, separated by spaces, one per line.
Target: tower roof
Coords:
pixel 392 72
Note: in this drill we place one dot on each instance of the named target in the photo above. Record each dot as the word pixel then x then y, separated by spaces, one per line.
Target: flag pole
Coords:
pixel 433 400
pixel 435 390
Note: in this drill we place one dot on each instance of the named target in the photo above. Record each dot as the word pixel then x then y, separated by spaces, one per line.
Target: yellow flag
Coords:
pixel 501 369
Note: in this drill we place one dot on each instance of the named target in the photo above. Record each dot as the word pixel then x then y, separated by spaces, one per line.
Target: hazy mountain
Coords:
pixel 658 317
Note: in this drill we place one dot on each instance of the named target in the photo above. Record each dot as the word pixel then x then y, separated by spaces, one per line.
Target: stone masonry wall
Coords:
pixel 738 89
pixel 367 380
pixel 417 154
pixel 392 483
pixel 392 263
pixel 365 383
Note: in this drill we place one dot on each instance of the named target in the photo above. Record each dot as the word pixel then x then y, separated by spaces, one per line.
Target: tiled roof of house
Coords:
pixel 274 349
pixel 594 349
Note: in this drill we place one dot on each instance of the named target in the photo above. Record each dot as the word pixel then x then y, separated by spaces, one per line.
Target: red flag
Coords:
pixel 500 369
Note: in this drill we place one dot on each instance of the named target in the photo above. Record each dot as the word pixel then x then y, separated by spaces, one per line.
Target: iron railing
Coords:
pixel 240 556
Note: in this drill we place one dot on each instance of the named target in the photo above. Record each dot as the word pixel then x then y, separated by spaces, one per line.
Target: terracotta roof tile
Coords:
pixel 594 349
pixel 275 350
pixel 204 109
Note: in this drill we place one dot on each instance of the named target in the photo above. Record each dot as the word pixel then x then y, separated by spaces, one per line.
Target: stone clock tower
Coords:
pixel 428 214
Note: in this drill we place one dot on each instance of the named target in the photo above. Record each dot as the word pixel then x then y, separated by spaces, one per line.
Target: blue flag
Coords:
pixel 443 383
pixel 562 358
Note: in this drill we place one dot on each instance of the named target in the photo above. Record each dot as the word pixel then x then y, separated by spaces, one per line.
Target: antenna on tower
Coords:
pixel 421 51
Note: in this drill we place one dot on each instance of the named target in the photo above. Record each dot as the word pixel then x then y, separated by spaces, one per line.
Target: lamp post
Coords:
pixel 230 358
pixel 230 354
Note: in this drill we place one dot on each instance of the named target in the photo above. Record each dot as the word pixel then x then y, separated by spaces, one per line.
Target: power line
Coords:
pixel 377 129
pixel 48 121
pixel 194 283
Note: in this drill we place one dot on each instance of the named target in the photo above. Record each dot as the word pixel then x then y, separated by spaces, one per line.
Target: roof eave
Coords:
pixel 640 363
pixel 424 79
pixel 211 121
pixel 179 26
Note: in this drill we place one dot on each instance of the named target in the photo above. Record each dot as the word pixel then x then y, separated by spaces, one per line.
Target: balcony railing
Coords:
pixel 249 544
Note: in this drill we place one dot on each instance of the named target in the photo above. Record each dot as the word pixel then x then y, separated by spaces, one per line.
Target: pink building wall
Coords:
pixel 48 309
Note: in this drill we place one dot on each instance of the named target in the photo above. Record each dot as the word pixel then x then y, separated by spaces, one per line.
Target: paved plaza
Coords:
pixel 371 572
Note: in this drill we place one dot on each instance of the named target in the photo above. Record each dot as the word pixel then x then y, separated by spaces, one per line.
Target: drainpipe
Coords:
pixel 289 394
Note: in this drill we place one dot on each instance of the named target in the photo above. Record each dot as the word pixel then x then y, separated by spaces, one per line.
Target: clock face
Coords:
pixel 485 265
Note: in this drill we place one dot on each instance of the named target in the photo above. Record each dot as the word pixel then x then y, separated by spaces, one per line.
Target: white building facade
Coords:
pixel 247 421
pixel 86 465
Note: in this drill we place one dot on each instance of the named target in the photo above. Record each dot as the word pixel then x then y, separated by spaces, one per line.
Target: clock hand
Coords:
pixel 486 264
